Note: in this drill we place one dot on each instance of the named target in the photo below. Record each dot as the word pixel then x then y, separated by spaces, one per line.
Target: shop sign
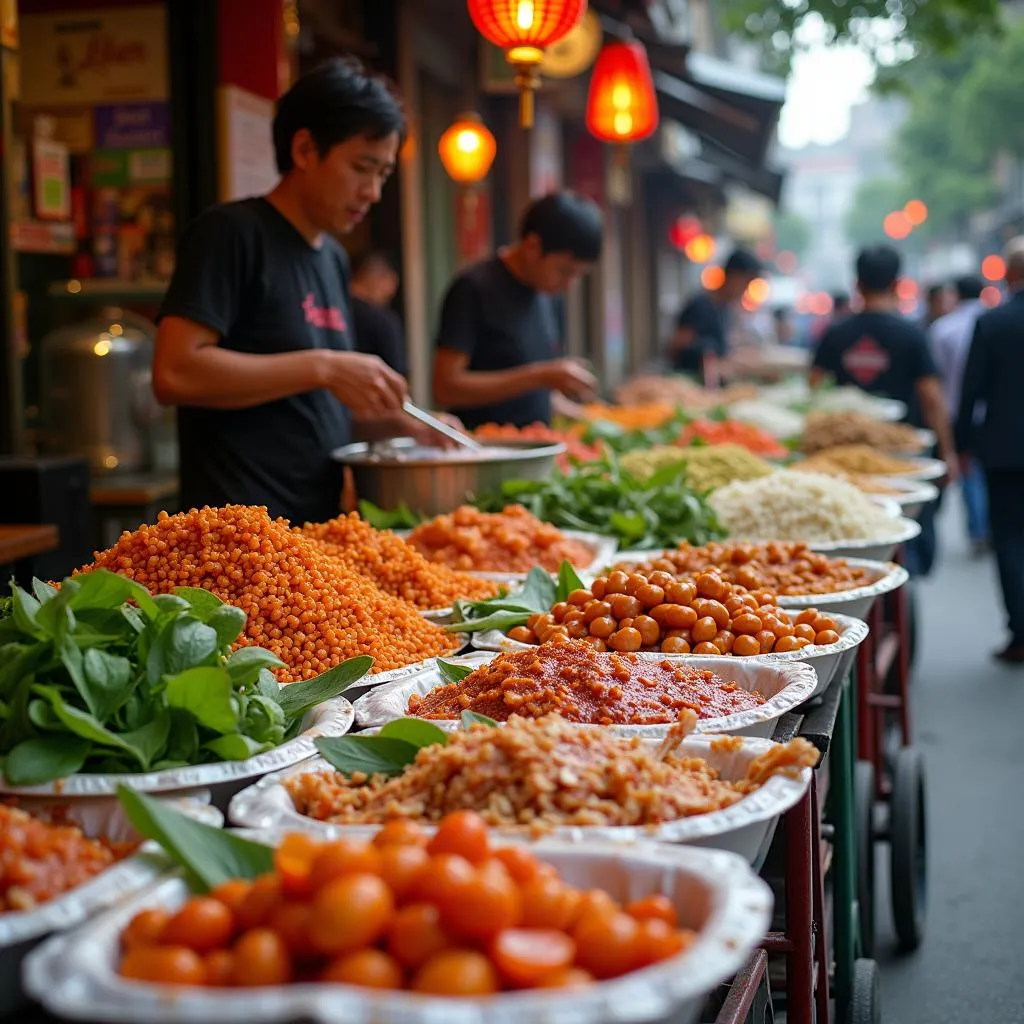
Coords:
pixel 101 56
pixel 51 180
pixel 133 126
pixel 122 168
pixel 71 125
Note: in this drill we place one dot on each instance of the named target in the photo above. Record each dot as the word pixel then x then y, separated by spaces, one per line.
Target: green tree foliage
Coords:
pixel 873 201
pixel 792 232
pixel 990 112
pixel 891 30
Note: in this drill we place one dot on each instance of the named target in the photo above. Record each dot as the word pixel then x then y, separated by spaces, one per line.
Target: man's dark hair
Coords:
pixel 373 259
pixel 335 101
pixel 969 287
pixel 742 261
pixel 878 269
pixel 565 222
pixel 936 290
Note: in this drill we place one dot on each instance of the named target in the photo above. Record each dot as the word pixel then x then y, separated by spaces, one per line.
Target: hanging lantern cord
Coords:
pixel 527 81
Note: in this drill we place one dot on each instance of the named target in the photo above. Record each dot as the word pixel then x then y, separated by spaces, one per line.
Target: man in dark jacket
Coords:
pixel 994 380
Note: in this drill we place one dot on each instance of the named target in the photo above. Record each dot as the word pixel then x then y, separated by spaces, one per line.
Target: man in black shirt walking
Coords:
pixel 993 387
pixel 497 357
pixel 255 343
pixel 884 354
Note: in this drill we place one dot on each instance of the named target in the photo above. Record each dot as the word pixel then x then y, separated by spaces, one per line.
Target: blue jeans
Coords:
pixel 975 495
pixel 1006 507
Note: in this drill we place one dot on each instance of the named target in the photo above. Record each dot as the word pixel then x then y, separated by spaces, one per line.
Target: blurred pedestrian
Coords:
pixel 937 303
pixel 842 307
pixel 699 342
pixel 950 338
pixel 885 354
pixel 785 329
pixel 378 328
pixel 994 381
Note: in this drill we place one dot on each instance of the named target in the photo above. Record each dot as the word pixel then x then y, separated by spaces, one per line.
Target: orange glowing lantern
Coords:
pixel 621 106
pixel 523 28
pixel 467 150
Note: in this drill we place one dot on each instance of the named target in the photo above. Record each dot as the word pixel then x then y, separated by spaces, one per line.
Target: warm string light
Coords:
pixel 467 150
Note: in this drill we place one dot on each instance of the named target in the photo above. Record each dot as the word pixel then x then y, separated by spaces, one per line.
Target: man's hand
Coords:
pixel 425 435
pixel 572 378
pixel 952 462
pixel 363 383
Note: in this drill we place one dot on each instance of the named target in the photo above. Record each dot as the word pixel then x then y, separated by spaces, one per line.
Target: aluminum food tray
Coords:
pixel 825 660
pixel 714 892
pixel 223 779
pixel 744 828
pixel 876 550
pixel 22 931
pixel 785 685
pixel 910 495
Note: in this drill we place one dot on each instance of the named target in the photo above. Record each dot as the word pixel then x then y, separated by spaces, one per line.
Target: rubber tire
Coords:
pixel 864 844
pixel 908 848
pixel 865 998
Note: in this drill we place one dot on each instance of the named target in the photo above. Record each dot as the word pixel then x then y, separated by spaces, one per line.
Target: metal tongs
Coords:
pixel 461 439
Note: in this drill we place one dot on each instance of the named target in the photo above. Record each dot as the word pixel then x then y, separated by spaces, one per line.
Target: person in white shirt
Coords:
pixel 950 338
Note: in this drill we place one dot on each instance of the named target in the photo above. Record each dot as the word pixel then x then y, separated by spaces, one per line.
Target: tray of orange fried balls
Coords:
pixel 408 929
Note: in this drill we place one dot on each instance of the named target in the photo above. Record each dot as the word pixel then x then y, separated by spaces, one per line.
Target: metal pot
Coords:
pixel 433 483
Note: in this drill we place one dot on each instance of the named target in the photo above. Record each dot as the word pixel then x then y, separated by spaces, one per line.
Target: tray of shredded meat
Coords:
pixel 634 695
pixel 61 861
pixel 546 776
pixel 715 894
pixel 825 660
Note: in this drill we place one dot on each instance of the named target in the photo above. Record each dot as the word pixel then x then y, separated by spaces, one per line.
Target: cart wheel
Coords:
pixel 864 1000
pixel 908 848
pixel 864 837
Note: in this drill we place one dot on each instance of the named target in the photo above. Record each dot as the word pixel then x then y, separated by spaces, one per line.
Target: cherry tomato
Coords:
pixel 442 879
pixel 232 894
pixel 351 912
pixel 569 977
pixel 220 967
pixel 607 945
pixel 261 959
pixel 463 833
pixel 486 905
pixel 202 924
pixel 416 934
pixel 293 861
pixel 343 857
pixel 656 941
pixel 369 968
pixel 400 867
pixel 146 928
pixel 264 896
pixel 549 903
pixel 521 864
pixel 524 956
pixel 164 965
pixel 654 907
pixel 457 972
pixel 293 922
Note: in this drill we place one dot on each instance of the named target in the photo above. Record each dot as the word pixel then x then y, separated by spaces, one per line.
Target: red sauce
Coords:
pixel 587 686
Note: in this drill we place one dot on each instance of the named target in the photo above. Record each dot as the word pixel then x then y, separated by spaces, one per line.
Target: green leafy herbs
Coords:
pixel 601 497
pixel 209 855
pixel 537 594
pixel 401 518
pixel 101 676
pixel 452 673
pixel 390 751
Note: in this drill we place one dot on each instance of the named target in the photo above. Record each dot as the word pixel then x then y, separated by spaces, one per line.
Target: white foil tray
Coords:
pixel 714 892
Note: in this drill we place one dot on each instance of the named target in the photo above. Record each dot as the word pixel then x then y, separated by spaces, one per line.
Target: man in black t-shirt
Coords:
pixel 378 329
pixel 497 352
pixel 885 354
pixel 255 344
pixel 699 342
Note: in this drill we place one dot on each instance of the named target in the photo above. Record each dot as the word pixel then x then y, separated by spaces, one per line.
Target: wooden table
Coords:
pixel 18 546
pixel 126 502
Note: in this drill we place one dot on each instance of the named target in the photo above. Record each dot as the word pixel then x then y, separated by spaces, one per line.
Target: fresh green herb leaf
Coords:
pixel 108 679
pixel 452 673
pixel 33 762
pixel 568 581
pixel 372 755
pixel 203 603
pixel 169 604
pixel 86 725
pixel 474 718
pixel 415 731
pixel 401 518
pixel 227 622
pixel 209 855
pixel 296 699
pixel 43 591
pixel 245 664
pixel 205 693
pixel 103 589
pixel 236 747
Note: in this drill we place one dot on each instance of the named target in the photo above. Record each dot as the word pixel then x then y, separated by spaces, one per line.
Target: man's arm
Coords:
pixel 974 387
pixel 936 418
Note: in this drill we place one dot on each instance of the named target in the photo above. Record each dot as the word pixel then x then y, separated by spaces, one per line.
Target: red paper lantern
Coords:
pixel 622 106
pixel 523 28
pixel 684 230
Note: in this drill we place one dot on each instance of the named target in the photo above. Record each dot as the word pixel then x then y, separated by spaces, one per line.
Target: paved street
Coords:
pixel 969 718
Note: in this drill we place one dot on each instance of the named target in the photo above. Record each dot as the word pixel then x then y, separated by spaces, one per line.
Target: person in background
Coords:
pixel 254 344
pixel 497 349
pixel 993 386
pixel 938 302
pixel 699 342
pixel 378 328
pixel 785 330
pixel 841 309
pixel 950 338
pixel 884 354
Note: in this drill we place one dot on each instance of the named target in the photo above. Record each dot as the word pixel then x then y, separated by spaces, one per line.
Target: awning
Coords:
pixel 728 105
pixel 763 180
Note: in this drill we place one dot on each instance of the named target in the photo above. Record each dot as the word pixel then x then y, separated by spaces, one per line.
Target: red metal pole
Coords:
pixel 799 912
